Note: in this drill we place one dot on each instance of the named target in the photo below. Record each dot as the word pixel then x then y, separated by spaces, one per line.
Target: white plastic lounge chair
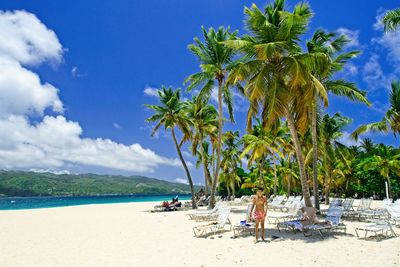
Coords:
pixel 394 213
pixel 207 215
pixel 245 226
pixel 332 222
pixel 276 202
pixel 287 205
pixel 292 213
pixel 377 227
pixel 333 203
pixel 377 213
pixel 217 226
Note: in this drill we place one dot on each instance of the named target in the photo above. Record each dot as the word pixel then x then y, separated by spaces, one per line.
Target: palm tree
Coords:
pixel 387 162
pixel 331 131
pixel 288 173
pixel 205 159
pixel 331 46
pixel 391 120
pixel 230 160
pixel 391 20
pixel 259 144
pixel 215 61
pixel 277 76
pixel 171 114
pixel 203 119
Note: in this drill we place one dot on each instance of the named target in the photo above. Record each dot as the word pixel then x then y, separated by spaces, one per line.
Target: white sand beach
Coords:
pixel 129 235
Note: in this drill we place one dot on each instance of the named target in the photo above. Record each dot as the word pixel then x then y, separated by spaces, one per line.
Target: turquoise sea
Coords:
pixel 18 203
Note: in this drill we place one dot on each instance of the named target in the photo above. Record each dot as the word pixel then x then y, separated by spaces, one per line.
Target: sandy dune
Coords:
pixel 129 235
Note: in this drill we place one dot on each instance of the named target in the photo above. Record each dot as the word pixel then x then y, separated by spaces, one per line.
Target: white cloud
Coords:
pixel 116 125
pixel 25 39
pixel 57 172
pixel 181 180
pixel 22 92
pixel 389 41
pixel 56 141
pixel 347 140
pixel 373 74
pixel 350 69
pixel 76 73
pixel 150 91
pixel 353 36
pixel 52 142
pixel 239 101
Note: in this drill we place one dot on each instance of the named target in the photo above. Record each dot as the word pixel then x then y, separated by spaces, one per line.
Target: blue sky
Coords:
pixel 113 50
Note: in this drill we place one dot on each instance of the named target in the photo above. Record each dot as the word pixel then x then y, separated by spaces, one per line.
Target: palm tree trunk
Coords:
pixel 300 159
pixel 289 184
pixel 219 145
pixel 233 189
pixel 189 177
pixel 205 168
pixel 326 191
pixel 389 187
pixel 315 152
pixel 261 166
pixel 275 180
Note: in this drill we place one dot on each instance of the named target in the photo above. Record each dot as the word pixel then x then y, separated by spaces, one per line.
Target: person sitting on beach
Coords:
pixel 260 204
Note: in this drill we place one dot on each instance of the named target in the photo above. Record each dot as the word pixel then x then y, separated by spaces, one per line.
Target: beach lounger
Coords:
pixel 377 213
pixel 394 213
pixel 215 227
pixel 333 203
pixel 292 213
pixel 207 215
pixel 276 202
pixel 286 206
pixel 245 226
pixel 332 222
pixel 348 209
pixel 308 217
pixel 376 227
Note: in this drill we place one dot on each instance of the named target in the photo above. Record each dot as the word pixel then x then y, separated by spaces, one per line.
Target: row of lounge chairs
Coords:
pixel 289 218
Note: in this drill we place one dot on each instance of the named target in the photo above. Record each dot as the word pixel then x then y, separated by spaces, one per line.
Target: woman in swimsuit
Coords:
pixel 261 206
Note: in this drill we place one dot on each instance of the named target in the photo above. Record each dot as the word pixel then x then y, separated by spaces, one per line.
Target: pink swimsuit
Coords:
pixel 260 215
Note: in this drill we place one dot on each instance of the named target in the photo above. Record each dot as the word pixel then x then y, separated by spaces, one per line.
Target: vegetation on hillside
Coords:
pixel 19 183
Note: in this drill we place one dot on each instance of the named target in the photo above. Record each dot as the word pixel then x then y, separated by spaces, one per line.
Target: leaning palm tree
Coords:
pixel 331 45
pixel 391 20
pixel 171 114
pixel 203 119
pixel 215 62
pixel 276 76
pixel 391 120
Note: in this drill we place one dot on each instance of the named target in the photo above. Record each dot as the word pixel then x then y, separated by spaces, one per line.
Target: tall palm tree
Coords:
pixel 331 45
pixel 391 20
pixel 331 131
pixel 231 160
pixel 203 119
pixel 391 120
pixel 277 76
pixel 216 60
pixel 171 114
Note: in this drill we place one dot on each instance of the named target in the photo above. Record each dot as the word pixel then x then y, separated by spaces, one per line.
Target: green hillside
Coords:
pixel 19 183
